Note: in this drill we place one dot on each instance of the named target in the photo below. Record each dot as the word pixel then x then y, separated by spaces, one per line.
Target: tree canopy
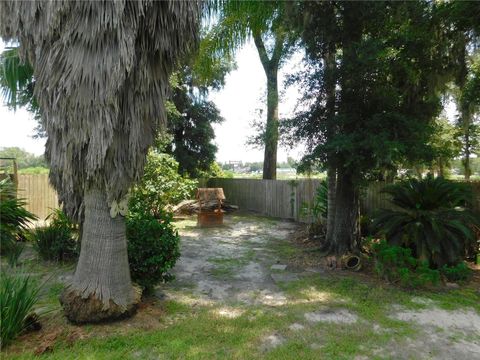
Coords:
pixel 266 23
pixel 374 106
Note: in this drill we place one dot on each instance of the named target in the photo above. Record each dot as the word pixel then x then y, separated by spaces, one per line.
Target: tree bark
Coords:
pixel 466 159
pixel 347 230
pixel 465 115
pixel 331 203
pixel 270 66
pixel 101 288
pixel 441 167
pixel 330 81
pixel 271 130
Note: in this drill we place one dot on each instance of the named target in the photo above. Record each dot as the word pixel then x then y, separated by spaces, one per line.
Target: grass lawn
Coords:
pixel 311 315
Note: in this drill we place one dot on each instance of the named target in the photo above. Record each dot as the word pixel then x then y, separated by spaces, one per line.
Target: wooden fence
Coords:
pixel 286 199
pixel 277 198
pixel 41 198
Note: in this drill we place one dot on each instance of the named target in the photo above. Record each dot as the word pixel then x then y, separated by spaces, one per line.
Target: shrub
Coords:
pixel 18 295
pixel 161 185
pixel 214 171
pixel 366 225
pixel 152 248
pixel 14 218
pixel 459 272
pixel 431 218
pixel 14 252
pixel 59 219
pixel 57 241
pixel 318 209
pixel 397 265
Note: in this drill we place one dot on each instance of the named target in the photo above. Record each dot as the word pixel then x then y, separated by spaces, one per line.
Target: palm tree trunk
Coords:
pixel 101 288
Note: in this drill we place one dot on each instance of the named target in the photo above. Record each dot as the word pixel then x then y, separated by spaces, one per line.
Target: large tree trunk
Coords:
pixel 466 159
pixel 271 130
pixel 331 204
pixel 441 167
pixel 347 230
pixel 101 288
pixel 465 115
pixel 270 65
pixel 330 81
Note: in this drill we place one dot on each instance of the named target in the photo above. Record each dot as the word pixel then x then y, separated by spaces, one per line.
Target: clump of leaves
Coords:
pixel 397 265
pixel 318 209
pixel 18 295
pixel 161 185
pixel 459 272
pixel 153 248
pixel 14 218
pixel 431 217
pixel 14 252
pixel 57 241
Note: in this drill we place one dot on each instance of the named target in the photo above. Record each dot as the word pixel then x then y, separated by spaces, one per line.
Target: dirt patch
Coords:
pixel 463 320
pixel 272 341
pixel 296 327
pixel 340 316
pixel 232 263
pixel 443 335
pixel 430 345
pixel 225 270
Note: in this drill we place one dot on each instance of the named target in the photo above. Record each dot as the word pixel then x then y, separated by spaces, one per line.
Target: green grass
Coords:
pixel 185 224
pixel 18 296
pixel 225 267
pixel 53 293
pixel 34 170
pixel 203 333
pixel 206 331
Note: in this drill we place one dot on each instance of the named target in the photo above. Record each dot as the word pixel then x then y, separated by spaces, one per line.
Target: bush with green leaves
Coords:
pixel 318 208
pixel 431 217
pixel 161 185
pixel 14 218
pixel 397 265
pixel 459 272
pixel 18 295
pixel 14 252
pixel 153 248
pixel 57 241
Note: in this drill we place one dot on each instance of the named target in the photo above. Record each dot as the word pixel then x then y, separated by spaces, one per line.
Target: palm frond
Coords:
pixel 432 216
pixel 16 78
pixel 101 73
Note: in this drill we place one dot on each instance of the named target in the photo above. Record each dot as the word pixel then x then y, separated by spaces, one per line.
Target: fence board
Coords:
pixel 285 198
pixel 277 198
pixel 41 198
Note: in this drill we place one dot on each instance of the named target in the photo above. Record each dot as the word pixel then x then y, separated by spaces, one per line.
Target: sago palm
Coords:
pixel 431 216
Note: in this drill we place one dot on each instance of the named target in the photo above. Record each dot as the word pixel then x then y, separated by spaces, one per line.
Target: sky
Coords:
pixel 239 100
pixel 237 103
pixel 16 128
